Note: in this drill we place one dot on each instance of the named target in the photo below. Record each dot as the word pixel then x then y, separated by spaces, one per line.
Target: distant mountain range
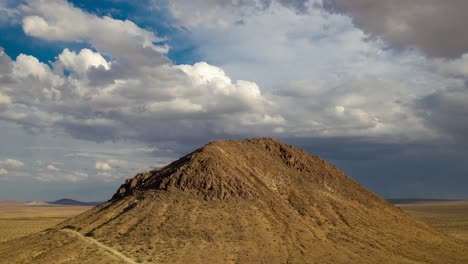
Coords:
pixel 251 201
pixel 74 202
pixel 69 202
pixel 416 200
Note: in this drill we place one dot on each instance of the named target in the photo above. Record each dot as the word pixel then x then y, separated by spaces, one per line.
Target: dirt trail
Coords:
pixel 99 244
pixel 251 201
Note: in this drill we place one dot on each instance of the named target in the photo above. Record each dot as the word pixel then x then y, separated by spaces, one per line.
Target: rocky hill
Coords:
pixel 251 201
pixel 74 202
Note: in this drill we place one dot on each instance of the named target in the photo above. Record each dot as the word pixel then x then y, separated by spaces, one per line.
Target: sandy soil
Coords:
pixel 252 201
pixel 449 217
pixel 18 219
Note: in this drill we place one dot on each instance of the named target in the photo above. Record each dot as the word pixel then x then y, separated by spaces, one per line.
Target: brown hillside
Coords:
pixel 252 201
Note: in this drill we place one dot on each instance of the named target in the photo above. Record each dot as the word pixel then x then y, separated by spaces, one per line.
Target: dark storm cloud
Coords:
pixel 426 169
pixel 363 123
pixel 447 112
pixel 92 132
pixel 349 148
pixel 298 5
pixel 438 28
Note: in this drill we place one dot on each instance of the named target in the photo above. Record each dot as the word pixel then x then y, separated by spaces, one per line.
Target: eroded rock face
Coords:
pixel 251 201
pixel 225 169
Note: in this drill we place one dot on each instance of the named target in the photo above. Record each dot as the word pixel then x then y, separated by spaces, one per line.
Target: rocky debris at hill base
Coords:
pixel 251 201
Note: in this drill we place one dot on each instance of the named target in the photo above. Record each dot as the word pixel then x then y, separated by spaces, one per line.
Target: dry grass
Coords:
pixel 449 217
pixel 17 220
pixel 254 201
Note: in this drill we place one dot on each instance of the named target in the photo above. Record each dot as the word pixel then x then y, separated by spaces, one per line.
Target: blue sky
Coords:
pixel 15 42
pixel 92 92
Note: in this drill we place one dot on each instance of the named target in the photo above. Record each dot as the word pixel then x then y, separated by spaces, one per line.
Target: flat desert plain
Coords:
pixel 20 219
pixel 449 217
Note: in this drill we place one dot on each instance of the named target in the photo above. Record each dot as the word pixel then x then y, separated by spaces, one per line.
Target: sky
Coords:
pixel 93 92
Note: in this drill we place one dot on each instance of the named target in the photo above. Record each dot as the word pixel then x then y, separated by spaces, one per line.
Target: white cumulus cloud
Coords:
pixel 81 62
pixel 12 163
pixel 103 166
pixel 58 20
pixel 4 99
pixel 138 93
pixel 52 168
pixel 125 87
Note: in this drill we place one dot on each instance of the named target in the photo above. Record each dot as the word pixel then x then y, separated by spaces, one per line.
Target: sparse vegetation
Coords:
pixel 253 201
pixel 20 220
pixel 450 217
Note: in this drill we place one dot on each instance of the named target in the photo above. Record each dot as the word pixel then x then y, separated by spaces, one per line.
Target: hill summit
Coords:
pixel 230 169
pixel 251 201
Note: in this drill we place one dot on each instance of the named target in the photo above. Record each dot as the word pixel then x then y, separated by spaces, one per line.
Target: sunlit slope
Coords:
pixel 252 201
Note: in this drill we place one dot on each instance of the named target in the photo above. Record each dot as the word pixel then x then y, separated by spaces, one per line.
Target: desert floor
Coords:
pixel 18 220
pixel 450 217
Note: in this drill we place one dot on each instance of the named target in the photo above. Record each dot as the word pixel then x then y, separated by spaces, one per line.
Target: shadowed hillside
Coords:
pixel 252 201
